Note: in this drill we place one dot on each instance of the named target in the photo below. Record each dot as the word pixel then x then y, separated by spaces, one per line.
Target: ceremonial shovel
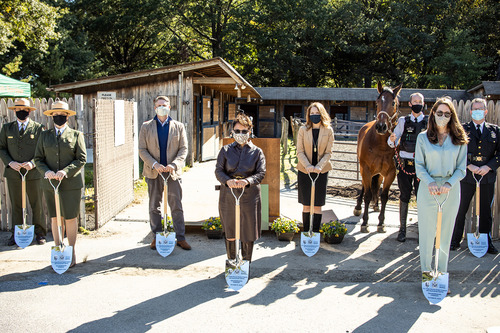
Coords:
pixel 61 256
pixel 309 241
pixel 478 243
pixel 436 288
pixel 165 241
pixel 23 234
pixel 237 270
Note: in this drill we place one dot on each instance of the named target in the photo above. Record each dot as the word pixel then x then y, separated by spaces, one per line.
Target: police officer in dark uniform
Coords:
pixel 483 159
pixel 406 133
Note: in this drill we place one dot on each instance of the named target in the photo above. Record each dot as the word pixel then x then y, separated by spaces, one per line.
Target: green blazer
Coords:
pixel 19 148
pixel 68 153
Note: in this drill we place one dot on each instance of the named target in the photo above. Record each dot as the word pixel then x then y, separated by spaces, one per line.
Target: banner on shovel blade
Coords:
pixel 477 246
pixel 237 275
pixel 309 245
pixel 165 243
pixel 24 237
pixel 436 289
pixel 61 260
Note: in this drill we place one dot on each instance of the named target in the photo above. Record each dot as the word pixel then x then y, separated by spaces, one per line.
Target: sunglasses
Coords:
pixel 240 131
pixel 441 113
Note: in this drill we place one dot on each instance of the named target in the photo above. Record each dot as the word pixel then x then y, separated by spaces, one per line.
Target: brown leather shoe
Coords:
pixel 184 245
pixel 153 244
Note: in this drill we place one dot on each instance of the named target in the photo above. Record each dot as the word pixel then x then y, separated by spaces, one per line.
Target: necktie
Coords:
pixel 58 134
pixel 21 131
pixel 478 129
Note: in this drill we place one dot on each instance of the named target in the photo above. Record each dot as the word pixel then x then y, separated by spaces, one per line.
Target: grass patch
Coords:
pixel 288 171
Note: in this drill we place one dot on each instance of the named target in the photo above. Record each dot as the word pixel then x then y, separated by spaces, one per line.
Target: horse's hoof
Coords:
pixel 364 229
pixel 376 209
pixel 381 229
pixel 357 212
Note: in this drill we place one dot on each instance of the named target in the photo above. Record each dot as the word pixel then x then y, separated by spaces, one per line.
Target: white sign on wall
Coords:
pixel 111 95
pixel 119 123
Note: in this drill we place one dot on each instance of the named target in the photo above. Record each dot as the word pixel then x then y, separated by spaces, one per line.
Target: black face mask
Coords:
pixel 417 108
pixel 60 120
pixel 315 118
pixel 22 115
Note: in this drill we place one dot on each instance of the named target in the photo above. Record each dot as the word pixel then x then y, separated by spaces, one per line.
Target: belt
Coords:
pixel 478 158
pixel 409 161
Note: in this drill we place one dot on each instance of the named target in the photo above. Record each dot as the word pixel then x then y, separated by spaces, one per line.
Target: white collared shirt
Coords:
pixel 21 124
pixel 481 126
pixel 60 130
pixel 400 127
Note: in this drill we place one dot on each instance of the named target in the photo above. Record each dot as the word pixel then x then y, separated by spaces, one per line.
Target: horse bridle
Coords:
pixel 394 116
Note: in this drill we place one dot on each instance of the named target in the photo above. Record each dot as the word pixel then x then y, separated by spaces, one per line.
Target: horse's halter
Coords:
pixel 392 124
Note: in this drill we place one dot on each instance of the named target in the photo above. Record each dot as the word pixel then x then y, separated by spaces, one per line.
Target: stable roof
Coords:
pixel 351 94
pixel 213 73
pixel 490 88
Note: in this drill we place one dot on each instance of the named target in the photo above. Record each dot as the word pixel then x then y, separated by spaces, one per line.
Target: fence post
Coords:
pixel 79 124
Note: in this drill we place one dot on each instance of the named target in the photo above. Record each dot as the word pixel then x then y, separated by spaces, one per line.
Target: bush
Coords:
pixel 283 225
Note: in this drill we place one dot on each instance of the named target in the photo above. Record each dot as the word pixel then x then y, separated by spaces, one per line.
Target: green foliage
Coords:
pixel 333 228
pixel 212 223
pixel 283 225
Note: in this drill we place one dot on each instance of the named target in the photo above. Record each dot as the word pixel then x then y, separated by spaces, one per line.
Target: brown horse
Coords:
pixel 376 158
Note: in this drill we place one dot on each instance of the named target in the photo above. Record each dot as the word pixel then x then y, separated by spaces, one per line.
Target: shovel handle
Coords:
pixel 165 200
pixel 23 190
pixel 237 216
pixel 438 229
pixel 478 190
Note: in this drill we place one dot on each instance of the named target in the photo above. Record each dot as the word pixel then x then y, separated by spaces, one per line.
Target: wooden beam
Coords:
pixel 213 80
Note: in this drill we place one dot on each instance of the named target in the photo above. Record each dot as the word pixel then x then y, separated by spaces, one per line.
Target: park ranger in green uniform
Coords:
pixel 60 156
pixel 17 148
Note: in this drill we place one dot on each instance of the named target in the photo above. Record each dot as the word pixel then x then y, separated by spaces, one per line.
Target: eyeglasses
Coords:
pixel 441 113
pixel 240 131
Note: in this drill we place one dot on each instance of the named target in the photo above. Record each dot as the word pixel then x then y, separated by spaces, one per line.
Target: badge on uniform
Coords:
pixel 410 129
pixel 493 135
pixel 10 137
pixel 32 136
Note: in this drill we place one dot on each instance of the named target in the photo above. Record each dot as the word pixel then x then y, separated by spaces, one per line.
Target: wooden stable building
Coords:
pixel 202 95
pixel 354 104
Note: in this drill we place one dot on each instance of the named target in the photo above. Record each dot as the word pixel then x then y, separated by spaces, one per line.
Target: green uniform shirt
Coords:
pixel 19 148
pixel 68 153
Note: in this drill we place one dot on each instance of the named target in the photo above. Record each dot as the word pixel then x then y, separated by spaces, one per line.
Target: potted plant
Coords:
pixel 170 225
pixel 285 228
pixel 213 228
pixel 333 231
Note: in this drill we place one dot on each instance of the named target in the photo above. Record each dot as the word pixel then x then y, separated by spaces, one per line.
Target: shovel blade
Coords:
pixel 61 258
pixel 309 245
pixel 165 243
pixel 477 246
pixel 436 289
pixel 24 237
pixel 237 274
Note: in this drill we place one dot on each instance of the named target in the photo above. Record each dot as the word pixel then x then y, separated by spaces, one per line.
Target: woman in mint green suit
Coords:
pixel 440 162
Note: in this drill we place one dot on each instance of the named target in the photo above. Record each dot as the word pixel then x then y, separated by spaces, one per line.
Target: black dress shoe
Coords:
pixel 11 241
pixel 492 249
pixel 454 247
pixel 40 240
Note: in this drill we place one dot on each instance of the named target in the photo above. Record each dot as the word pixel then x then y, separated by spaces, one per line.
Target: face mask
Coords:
pixel 417 108
pixel 315 118
pixel 442 121
pixel 22 114
pixel 60 120
pixel 162 111
pixel 241 138
pixel 478 114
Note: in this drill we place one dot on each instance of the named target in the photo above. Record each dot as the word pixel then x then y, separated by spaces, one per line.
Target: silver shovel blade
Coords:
pixel 309 244
pixel 236 273
pixel 436 288
pixel 61 258
pixel 24 237
pixel 478 246
pixel 165 243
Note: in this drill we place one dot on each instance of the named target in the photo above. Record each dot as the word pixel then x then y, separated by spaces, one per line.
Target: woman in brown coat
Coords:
pixel 240 165
pixel 314 149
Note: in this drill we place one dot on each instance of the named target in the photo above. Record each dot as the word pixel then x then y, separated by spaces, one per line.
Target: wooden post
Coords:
pixel 79 124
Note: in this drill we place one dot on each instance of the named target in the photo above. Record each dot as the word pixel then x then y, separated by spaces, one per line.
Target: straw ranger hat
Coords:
pixel 59 106
pixel 22 103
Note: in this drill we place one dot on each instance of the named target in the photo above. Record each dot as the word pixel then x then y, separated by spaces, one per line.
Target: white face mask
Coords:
pixel 162 111
pixel 442 121
pixel 241 138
